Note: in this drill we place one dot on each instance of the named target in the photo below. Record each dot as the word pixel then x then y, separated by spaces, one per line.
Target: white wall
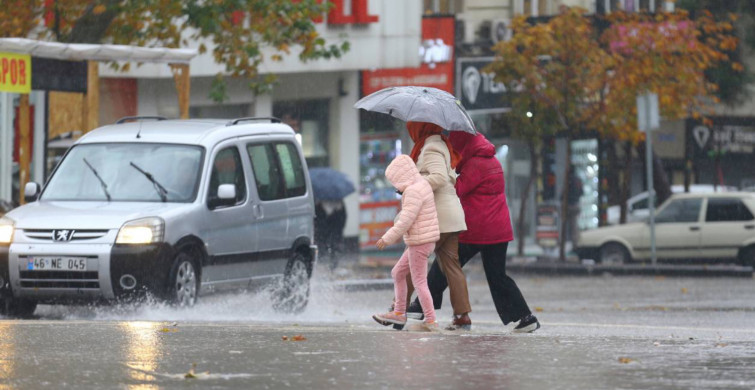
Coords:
pixel 392 42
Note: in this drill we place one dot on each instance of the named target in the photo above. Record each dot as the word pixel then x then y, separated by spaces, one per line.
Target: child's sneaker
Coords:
pixel 424 326
pixel 390 318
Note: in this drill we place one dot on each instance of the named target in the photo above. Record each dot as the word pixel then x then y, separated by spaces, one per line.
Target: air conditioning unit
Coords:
pixel 500 30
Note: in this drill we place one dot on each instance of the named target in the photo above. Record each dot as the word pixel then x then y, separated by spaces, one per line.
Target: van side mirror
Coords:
pixel 226 192
pixel 31 192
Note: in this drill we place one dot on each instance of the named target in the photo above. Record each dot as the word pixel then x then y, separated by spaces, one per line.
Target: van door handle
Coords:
pixel 749 227
pixel 257 211
pixel 694 228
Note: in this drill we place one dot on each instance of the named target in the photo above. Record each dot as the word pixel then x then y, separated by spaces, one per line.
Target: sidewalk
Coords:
pixel 371 270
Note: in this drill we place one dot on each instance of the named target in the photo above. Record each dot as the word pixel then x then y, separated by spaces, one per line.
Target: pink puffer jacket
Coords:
pixel 418 219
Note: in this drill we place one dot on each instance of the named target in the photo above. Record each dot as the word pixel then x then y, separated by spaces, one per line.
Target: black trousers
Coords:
pixel 508 299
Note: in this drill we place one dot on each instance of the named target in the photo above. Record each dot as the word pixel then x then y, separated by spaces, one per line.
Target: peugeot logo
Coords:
pixel 62 235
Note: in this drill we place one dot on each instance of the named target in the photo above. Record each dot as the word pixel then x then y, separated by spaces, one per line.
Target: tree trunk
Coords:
pixel 626 181
pixel 565 202
pixel 91 26
pixel 521 234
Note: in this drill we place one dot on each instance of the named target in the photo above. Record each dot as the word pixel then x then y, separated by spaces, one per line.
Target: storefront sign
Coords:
pixel 725 138
pixel 359 13
pixel 59 75
pixel 477 90
pixel 436 52
pixel 374 220
pixel 15 73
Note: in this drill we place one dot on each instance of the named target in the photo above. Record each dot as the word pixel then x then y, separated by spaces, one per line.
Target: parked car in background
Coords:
pixel 168 207
pixel 637 206
pixel 715 226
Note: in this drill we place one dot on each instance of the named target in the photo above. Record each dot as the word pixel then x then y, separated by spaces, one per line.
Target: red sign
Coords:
pixel 376 219
pixel 437 69
pixel 359 13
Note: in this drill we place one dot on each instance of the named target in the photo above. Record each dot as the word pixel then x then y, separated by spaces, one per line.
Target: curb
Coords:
pixel 556 269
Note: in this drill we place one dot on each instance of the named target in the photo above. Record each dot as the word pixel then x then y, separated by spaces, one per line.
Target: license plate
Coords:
pixel 53 263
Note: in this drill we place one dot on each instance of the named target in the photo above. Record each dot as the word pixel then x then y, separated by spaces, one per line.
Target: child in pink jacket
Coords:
pixel 418 224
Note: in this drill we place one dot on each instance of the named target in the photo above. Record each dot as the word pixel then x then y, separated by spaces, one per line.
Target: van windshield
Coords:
pixel 101 172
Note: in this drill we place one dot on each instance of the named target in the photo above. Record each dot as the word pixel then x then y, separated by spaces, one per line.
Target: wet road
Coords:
pixel 598 333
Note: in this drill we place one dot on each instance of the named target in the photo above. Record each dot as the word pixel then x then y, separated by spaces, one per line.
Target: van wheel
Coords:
pixel 183 286
pixel 747 256
pixel 292 295
pixel 613 253
pixel 17 308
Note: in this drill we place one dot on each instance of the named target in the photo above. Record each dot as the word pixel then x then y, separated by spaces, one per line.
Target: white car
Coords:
pixel 637 206
pixel 717 226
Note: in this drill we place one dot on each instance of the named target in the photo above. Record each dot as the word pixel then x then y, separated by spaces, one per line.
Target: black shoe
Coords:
pixel 528 324
pixel 414 311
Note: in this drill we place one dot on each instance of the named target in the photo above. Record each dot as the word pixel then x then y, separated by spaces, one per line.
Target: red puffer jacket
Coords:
pixel 482 190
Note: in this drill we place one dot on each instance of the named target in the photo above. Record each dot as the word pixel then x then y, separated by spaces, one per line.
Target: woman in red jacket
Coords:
pixel 481 189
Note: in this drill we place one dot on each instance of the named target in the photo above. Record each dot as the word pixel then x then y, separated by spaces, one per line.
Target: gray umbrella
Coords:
pixel 420 104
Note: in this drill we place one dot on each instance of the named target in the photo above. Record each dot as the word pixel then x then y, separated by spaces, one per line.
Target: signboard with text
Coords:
pixel 477 90
pixel 437 68
pixel 15 73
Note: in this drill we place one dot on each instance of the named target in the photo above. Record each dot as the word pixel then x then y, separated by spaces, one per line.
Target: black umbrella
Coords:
pixel 329 184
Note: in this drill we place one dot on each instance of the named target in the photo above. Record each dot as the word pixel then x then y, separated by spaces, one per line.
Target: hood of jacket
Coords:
pixel 470 146
pixel 402 172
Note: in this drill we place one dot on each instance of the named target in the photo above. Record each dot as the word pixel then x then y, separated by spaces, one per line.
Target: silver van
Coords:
pixel 166 207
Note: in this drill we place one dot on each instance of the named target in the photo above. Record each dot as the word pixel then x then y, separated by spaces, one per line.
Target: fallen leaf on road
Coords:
pixel 191 374
pixel 625 360
pixel 538 309
pixel 284 338
pixel 684 290
pixel 721 345
pixel 298 338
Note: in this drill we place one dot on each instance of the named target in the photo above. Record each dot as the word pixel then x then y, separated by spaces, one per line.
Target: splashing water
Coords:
pixel 328 303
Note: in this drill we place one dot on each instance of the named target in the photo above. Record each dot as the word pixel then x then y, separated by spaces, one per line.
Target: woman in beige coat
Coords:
pixel 436 159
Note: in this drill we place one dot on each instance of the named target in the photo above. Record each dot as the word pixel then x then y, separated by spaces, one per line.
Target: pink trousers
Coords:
pixel 414 262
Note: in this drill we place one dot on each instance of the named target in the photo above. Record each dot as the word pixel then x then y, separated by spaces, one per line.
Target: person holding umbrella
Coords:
pixel 428 112
pixel 481 188
pixel 436 160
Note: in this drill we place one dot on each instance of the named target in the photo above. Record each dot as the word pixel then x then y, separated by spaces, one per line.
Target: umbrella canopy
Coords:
pixel 329 184
pixel 420 104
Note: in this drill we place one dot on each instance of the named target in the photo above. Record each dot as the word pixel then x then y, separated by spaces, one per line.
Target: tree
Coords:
pixel 239 30
pixel 589 80
pixel 561 66
pixel 733 83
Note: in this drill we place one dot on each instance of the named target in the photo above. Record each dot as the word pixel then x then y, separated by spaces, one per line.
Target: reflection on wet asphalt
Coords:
pixel 598 333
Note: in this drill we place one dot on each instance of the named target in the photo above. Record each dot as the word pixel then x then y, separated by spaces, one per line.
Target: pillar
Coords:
pixel 183 83
pixel 91 107
pixel 24 146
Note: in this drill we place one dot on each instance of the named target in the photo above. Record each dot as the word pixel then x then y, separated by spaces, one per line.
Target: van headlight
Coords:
pixel 7 226
pixel 141 231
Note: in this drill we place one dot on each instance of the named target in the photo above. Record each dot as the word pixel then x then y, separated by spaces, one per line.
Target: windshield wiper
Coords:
pixel 158 187
pixel 102 182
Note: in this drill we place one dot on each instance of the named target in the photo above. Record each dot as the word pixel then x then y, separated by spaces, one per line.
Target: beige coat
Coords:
pixel 417 221
pixel 434 164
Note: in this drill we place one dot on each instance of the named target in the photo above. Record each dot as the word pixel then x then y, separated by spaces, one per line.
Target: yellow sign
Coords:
pixel 15 73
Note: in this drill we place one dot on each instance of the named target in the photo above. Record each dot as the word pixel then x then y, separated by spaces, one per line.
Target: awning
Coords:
pixel 94 52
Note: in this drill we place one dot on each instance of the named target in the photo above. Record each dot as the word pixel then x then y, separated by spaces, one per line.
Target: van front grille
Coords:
pixel 78 235
pixel 59 279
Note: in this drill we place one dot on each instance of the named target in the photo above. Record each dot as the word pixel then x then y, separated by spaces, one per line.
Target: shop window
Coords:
pixel 225 111
pixel 727 209
pixel 440 6
pixel 309 119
